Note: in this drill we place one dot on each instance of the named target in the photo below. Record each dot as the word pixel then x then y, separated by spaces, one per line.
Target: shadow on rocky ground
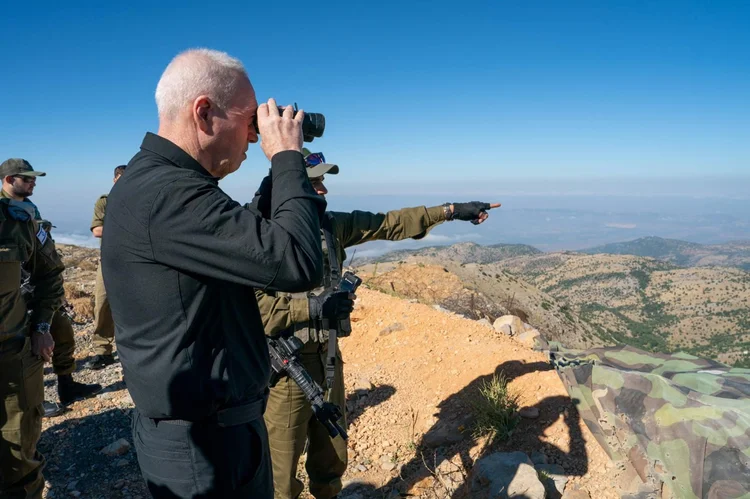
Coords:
pixel 77 465
pixel 445 463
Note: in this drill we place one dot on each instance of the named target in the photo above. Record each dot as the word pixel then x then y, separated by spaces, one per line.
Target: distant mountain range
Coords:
pixel 657 294
pixel 458 253
pixel 681 253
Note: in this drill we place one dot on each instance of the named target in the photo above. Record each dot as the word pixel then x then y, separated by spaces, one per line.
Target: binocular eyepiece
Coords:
pixel 313 124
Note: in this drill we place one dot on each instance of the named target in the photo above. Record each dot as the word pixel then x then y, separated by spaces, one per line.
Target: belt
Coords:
pixel 230 416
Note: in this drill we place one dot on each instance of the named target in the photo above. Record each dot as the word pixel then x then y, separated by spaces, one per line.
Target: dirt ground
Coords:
pixel 411 373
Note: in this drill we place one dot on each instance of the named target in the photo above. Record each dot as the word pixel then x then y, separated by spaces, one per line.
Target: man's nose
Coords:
pixel 252 135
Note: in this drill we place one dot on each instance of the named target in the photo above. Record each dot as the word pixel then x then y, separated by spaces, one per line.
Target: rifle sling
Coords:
pixel 333 262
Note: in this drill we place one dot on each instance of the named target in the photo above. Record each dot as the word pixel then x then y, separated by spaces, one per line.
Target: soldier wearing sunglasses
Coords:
pixel 289 417
pixel 19 180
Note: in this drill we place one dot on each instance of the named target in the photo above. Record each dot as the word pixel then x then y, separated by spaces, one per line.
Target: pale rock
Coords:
pixel 529 338
pixel 485 322
pixel 506 474
pixel 504 329
pixel 516 325
pixel 117 448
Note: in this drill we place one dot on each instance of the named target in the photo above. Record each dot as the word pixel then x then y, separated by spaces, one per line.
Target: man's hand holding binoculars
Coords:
pixel 279 131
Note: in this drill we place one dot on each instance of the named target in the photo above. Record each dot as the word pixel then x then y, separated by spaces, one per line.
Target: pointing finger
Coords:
pixel 495 205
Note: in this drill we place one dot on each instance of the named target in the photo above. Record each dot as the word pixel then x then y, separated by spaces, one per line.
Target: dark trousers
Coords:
pixel 203 460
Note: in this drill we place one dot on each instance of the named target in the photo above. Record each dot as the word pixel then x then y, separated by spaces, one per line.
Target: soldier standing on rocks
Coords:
pixel 19 180
pixel 104 326
pixel 289 416
pixel 25 340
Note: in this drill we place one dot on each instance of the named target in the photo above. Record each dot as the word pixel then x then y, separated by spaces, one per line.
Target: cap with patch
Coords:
pixel 18 166
pixel 316 164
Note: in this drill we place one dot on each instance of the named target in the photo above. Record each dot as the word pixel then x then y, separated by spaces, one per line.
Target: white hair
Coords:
pixel 197 72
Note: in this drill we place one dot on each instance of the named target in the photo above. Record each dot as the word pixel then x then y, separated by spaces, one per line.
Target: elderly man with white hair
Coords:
pixel 180 263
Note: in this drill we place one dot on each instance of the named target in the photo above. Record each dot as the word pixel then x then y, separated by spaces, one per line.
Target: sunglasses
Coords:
pixel 26 178
pixel 314 159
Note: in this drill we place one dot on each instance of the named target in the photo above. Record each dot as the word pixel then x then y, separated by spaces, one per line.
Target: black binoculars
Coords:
pixel 313 124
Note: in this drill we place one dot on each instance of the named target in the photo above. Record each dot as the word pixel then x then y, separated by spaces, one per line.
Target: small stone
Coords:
pixel 72 485
pixel 119 484
pixel 117 448
pixel 122 462
pixel 361 468
pixel 529 412
pixel 396 326
pixel 387 466
pixel 75 493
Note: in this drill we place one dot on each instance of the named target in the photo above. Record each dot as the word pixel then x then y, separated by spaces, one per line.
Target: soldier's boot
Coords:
pixel 70 391
pixel 52 409
pixel 99 361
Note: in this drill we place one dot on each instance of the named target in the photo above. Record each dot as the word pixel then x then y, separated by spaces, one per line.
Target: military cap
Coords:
pixel 18 166
pixel 316 164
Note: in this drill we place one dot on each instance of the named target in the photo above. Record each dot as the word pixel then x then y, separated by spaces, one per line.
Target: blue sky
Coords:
pixel 415 93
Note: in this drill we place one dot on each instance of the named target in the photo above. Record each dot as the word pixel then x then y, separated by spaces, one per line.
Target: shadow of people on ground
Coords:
pixel 445 443
pixel 73 451
pixel 357 402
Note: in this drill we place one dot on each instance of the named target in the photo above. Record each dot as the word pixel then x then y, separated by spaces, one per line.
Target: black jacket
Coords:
pixel 180 261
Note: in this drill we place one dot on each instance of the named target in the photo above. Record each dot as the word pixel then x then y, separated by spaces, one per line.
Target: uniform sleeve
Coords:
pixel 281 312
pixel 197 228
pixel 46 268
pixel 361 226
pixel 99 207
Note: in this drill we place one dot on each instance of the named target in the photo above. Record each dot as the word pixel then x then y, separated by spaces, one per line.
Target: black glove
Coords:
pixel 469 211
pixel 331 305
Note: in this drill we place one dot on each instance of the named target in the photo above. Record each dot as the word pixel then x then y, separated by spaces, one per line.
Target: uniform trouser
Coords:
pixel 290 422
pixel 61 329
pixel 191 460
pixel 104 326
pixel 22 392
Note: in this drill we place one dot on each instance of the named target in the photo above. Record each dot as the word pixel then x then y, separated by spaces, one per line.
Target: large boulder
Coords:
pixel 516 324
pixel 506 475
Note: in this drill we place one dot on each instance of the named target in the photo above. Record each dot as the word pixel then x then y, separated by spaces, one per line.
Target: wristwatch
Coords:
pixel 42 328
pixel 448 212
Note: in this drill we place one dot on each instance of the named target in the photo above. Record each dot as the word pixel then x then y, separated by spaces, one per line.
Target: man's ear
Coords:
pixel 8 179
pixel 203 110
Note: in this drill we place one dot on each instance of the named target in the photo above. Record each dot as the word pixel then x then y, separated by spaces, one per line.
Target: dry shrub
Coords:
pixel 83 307
pixel 74 291
pixel 87 264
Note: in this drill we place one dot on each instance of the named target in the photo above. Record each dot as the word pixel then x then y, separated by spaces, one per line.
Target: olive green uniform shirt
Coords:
pixel 99 208
pixel 282 311
pixel 25 242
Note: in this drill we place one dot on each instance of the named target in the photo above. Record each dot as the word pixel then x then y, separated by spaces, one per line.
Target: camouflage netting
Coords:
pixel 681 422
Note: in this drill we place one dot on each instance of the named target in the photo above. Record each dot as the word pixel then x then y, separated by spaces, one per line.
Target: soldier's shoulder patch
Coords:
pixel 42 235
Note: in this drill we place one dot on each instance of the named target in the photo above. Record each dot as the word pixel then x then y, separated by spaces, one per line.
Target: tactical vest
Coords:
pixel 312 331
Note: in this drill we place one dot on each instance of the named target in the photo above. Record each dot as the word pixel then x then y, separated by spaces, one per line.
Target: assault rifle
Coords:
pixel 285 360
pixel 27 291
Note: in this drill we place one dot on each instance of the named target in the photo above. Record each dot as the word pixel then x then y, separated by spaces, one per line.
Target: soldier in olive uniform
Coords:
pixel 24 341
pixel 288 416
pixel 19 179
pixel 104 326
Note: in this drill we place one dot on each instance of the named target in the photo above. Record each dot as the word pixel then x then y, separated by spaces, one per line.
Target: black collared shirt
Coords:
pixel 181 260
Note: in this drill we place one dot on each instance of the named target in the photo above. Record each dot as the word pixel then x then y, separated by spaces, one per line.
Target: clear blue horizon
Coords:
pixel 420 97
